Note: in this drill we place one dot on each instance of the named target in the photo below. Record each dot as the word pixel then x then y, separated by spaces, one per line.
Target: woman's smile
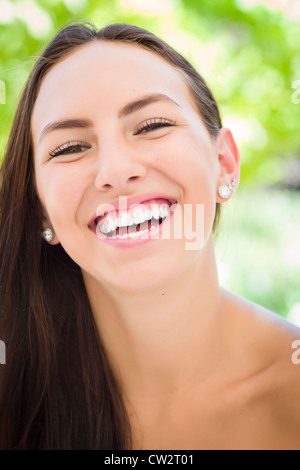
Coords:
pixel 135 220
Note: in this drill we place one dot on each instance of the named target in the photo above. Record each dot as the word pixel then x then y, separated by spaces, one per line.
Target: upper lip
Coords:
pixel 131 201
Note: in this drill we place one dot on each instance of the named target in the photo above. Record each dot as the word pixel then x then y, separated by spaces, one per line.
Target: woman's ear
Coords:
pixel 229 162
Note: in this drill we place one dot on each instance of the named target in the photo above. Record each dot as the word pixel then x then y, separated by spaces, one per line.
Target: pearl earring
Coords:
pixel 48 234
pixel 225 190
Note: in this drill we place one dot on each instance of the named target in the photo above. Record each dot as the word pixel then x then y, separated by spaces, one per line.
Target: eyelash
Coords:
pixel 153 124
pixel 148 126
pixel 63 149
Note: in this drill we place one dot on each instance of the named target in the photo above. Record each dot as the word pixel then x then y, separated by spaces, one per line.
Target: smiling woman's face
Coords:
pixel 118 149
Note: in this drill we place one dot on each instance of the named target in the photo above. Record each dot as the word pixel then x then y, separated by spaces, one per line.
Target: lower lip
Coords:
pixel 150 236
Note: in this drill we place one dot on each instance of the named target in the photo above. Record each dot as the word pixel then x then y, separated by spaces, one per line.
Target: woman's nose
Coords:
pixel 118 166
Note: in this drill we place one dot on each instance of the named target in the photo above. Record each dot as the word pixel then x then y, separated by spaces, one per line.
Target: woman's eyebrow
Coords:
pixel 128 109
pixel 65 124
pixel 144 101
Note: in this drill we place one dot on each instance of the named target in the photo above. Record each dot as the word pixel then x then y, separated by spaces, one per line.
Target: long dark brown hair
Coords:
pixel 57 389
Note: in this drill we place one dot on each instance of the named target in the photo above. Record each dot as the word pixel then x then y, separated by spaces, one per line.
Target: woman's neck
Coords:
pixel 161 341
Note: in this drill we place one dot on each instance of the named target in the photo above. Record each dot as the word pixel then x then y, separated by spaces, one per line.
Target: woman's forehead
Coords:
pixel 107 57
pixel 103 70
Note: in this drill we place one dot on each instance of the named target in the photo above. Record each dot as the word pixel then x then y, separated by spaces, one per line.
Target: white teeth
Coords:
pixel 148 214
pixel 131 235
pixel 155 212
pixel 163 212
pixel 124 220
pixel 138 217
pixel 109 225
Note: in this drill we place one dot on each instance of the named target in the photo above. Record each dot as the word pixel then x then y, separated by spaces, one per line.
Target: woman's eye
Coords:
pixel 154 124
pixel 69 149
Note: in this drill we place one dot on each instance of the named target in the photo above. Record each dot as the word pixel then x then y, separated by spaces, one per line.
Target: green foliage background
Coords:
pixel 250 56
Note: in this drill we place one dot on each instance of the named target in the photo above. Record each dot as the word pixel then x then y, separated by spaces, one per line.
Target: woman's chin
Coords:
pixel 137 282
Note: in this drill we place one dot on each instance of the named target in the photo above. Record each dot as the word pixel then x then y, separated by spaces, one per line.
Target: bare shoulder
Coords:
pixel 270 346
pixel 265 330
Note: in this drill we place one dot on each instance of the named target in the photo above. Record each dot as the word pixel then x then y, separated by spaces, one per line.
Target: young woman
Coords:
pixel 118 333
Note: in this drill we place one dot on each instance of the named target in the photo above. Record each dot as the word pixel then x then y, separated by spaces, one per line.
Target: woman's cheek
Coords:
pixel 61 194
pixel 190 168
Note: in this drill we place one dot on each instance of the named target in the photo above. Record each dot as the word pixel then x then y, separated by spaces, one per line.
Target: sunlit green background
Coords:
pixel 249 53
